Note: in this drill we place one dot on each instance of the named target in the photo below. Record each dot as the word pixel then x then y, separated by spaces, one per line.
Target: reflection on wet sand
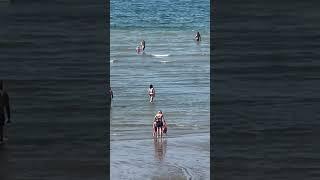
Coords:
pixel 160 148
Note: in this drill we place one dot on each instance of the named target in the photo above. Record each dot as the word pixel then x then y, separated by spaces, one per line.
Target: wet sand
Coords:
pixel 184 157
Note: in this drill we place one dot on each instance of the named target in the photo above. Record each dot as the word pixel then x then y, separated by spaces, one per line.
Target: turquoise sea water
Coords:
pixel 178 67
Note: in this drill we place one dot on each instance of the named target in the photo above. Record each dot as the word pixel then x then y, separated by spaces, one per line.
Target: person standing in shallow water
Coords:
pixel 143 45
pixel 4 110
pixel 110 93
pixel 198 37
pixel 159 124
pixel 140 48
pixel 151 92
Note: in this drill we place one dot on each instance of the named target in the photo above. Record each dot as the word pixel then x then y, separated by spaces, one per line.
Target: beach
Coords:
pixel 179 69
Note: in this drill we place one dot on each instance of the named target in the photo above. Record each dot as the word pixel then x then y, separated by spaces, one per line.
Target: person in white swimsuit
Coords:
pixel 151 92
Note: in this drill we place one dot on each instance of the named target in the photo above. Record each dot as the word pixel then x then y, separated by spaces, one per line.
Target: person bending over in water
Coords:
pixel 159 124
pixel 152 93
pixel 198 37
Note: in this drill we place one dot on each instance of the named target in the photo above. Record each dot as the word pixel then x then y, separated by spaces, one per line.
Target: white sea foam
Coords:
pixel 113 60
pixel 160 55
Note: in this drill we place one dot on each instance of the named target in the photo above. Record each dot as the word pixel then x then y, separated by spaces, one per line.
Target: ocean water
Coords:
pixel 266 90
pixel 179 69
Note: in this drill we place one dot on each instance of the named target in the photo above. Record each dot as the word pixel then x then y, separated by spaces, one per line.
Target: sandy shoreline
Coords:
pixel 175 158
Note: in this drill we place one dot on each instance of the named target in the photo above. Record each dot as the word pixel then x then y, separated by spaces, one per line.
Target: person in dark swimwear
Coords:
pixel 158 124
pixel 198 37
pixel 4 110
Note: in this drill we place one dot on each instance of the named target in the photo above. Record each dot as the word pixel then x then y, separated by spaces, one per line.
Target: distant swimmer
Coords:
pixel 4 110
pixel 151 92
pixel 198 37
pixel 143 45
pixel 110 94
pixel 159 124
pixel 140 48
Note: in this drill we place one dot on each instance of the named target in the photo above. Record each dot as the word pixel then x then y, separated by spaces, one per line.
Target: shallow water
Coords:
pixel 179 69
pixel 166 158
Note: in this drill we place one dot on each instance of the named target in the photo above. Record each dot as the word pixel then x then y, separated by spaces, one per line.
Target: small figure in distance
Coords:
pixel 138 49
pixel 110 94
pixel 4 109
pixel 159 124
pixel 143 44
pixel 151 92
pixel 198 37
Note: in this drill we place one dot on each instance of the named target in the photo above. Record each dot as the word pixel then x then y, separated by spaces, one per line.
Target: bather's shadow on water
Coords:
pixel 160 148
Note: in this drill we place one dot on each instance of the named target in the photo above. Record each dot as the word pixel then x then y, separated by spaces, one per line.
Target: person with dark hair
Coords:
pixel 140 48
pixel 198 37
pixel 4 110
pixel 151 92
pixel 110 94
